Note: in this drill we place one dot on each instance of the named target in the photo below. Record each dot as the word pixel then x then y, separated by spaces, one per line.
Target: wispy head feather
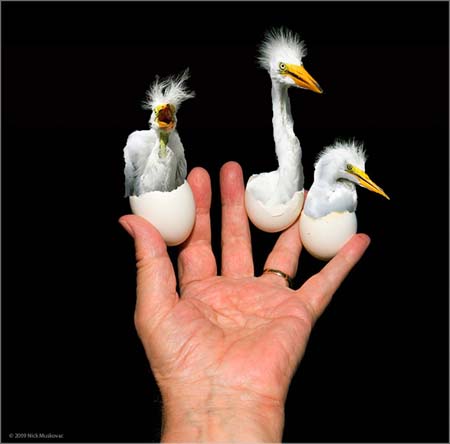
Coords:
pixel 347 150
pixel 170 90
pixel 283 45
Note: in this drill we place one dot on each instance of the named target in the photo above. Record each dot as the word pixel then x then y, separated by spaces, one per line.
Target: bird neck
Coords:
pixel 328 193
pixel 283 124
pixel 325 176
pixel 287 145
pixel 163 141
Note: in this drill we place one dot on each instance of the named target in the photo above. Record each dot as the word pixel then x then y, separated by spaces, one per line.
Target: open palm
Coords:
pixel 234 332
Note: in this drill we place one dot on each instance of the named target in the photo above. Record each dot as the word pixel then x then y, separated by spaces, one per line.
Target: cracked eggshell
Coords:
pixel 273 218
pixel 324 236
pixel 171 212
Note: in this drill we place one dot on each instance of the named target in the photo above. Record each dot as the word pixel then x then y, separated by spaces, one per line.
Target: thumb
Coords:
pixel 156 282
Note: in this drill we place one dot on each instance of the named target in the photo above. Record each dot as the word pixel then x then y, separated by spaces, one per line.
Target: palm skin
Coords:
pixel 227 344
pixel 244 335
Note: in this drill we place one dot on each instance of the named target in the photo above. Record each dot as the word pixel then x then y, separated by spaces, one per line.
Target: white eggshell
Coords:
pixel 324 236
pixel 171 212
pixel 273 218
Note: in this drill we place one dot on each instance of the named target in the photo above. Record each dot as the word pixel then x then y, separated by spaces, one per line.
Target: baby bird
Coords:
pixel 274 199
pixel 154 159
pixel 328 219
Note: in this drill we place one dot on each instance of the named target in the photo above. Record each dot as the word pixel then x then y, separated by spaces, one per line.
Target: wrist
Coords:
pixel 219 415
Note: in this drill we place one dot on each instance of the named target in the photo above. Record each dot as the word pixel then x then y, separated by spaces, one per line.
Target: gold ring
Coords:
pixel 285 276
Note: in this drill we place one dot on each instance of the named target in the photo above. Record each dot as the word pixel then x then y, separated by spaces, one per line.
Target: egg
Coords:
pixel 273 217
pixel 324 236
pixel 171 212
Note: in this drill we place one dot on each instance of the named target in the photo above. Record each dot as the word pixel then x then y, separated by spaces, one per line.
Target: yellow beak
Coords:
pixel 165 116
pixel 365 181
pixel 302 78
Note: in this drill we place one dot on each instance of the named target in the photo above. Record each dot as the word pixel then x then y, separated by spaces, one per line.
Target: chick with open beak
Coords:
pixel 165 121
pixel 155 164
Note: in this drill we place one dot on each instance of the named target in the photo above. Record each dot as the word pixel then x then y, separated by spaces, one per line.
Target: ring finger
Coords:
pixel 285 254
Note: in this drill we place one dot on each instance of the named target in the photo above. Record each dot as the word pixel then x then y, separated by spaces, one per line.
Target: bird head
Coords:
pixel 164 98
pixel 281 54
pixel 345 161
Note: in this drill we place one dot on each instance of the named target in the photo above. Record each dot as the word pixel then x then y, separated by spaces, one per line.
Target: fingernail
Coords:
pixel 127 227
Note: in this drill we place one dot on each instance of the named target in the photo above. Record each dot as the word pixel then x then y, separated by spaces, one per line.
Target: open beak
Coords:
pixel 302 78
pixel 165 116
pixel 365 181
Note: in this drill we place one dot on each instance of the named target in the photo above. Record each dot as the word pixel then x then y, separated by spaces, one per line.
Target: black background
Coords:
pixel 73 78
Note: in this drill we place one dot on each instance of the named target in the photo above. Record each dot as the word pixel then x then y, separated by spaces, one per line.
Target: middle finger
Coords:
pixel 237 259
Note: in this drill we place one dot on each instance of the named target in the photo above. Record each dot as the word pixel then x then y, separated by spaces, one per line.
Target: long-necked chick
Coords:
pixel 328 219
pixel 155 159
pixel 274 199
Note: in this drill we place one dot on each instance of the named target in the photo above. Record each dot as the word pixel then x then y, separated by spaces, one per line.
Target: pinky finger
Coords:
pixel 319 289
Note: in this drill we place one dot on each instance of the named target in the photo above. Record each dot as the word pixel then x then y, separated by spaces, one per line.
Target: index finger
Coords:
pixel 196 260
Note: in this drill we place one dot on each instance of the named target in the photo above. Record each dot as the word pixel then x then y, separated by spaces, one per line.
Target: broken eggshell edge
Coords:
pixel 273 218
pixel 172 213
pixel 324 236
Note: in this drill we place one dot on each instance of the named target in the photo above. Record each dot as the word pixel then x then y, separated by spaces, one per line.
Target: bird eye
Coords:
pixel 349 167
pixel 282 66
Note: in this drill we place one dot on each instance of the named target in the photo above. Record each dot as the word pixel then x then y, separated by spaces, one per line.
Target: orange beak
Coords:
pixel 365 181
pixel 165 116
pixel 302 78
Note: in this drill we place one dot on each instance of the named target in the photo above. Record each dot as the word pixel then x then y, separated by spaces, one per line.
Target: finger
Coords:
pixel 237 260
pixel 319 289
pixel 285 254
pixel 196 260
pixel 156 283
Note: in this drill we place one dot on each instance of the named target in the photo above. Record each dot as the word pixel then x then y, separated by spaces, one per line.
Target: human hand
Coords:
pixel 223 352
